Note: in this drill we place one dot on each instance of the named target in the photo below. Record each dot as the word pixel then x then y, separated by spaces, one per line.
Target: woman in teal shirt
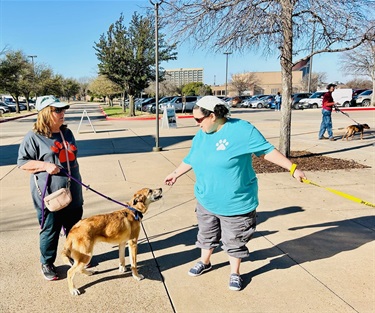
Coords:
pixel 226 185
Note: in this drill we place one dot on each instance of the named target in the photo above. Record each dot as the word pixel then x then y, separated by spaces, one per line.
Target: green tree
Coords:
pixel 196 89
pixel 47 83
pixel 70 88
pixel 84 83
pixel 294 30
pixel 13 74
pixel 127 55
pixel 103 87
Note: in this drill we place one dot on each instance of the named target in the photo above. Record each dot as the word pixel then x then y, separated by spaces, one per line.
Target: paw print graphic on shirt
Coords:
pixel 59 149
pixel 222 144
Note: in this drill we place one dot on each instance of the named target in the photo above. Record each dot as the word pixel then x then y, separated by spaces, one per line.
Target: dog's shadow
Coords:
pixel 127 274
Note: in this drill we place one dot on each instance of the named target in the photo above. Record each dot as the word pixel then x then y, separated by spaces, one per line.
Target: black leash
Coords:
pixel 346 114
pixel 137 215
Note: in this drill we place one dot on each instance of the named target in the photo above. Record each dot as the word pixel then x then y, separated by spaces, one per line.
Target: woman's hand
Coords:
pixel 170 179
pixel 299 175
pixel 51 168
pixel 179 171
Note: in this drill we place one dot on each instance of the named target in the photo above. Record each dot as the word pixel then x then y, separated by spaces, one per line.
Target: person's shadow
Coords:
pixel 337 237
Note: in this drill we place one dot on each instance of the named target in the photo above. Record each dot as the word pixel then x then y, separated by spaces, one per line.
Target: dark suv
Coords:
pixel 296 97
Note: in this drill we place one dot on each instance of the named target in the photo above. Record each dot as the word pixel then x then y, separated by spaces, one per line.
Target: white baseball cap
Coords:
pixel 209 103
pixel 45 101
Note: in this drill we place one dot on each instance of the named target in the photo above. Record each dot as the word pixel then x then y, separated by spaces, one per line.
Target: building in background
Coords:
pixel 268 83
pixel 183 76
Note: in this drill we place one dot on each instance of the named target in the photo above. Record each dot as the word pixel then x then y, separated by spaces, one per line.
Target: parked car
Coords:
pixel 364 98
pixel 297 97
pixel 176 102
pixel 314 101
pixel 12 106
pixel 31 103
pixel 267 101
pixel 355 94
pixel 4 108
pixel 152 108
pixel 142 105
pixel 272 103
pixel 234 102
pixel 256 101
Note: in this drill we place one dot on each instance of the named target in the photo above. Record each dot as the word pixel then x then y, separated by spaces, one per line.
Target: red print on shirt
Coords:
pixel 59 149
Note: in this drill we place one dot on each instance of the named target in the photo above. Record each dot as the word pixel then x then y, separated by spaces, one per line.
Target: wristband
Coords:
pixel 293 169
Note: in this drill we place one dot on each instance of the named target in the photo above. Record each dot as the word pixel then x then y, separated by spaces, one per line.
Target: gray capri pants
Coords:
pixel 233 231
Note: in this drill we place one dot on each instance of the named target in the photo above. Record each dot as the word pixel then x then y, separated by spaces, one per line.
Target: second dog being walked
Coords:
pixel 352 129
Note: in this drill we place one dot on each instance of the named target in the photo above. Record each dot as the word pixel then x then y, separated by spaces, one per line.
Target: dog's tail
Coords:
pixel 66 252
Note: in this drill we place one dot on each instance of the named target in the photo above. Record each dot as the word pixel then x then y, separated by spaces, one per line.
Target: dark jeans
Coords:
pixel 326 124
pixel 49 235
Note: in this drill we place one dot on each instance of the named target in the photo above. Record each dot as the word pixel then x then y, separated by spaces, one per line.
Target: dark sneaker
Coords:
pixel 199 268
pixel 235 282
pixel 321 138
pixel 332 139
pixel 49 272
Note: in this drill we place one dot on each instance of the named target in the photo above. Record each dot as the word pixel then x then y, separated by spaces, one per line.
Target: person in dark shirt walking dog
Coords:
pixel 328 104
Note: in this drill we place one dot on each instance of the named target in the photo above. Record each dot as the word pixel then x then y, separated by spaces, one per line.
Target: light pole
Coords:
pixel 226 73
pixel 32 61
pixel 311 58
pixel 156 6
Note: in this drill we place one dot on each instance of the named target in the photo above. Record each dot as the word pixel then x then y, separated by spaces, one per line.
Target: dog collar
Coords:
pixel 137 215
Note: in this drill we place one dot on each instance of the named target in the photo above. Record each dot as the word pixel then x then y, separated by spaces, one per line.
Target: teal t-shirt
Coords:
pixel 226 183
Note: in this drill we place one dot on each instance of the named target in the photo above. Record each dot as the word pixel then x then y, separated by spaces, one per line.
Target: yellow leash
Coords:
pixel 342 194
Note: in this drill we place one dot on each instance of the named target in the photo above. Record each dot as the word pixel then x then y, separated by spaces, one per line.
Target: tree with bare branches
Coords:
pixel 283 26
pixel 361 62
pixel 316 81
pixel 243 81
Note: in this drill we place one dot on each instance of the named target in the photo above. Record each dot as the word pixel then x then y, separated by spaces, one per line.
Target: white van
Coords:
pixel 6 98
pixel 343 96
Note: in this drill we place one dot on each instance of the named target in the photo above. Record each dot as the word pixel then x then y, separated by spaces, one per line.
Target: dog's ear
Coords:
pixel 138 198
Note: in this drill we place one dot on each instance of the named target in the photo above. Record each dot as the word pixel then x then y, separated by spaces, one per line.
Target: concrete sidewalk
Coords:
pixel 313 251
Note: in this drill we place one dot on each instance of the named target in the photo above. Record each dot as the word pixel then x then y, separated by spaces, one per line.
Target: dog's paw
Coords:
pixel 122 269
pixel 75 292
pixel 138 277
pixel 88 273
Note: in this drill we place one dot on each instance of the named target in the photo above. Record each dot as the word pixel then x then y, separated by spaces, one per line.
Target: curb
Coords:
pixel 16 117
pixel 358 109
pixel 137 118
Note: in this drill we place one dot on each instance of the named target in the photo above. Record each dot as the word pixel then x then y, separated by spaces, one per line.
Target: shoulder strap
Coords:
pixel 66 153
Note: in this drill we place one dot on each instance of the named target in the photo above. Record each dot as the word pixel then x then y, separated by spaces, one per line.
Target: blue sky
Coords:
pixel 62 35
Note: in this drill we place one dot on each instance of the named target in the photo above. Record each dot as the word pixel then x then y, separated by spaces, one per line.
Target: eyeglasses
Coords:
pixel 200 120
pixel 60 110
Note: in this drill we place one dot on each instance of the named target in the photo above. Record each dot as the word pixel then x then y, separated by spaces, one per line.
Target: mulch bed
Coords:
pixel 307 161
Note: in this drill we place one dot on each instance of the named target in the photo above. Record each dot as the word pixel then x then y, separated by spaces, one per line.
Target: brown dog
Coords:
pixel 119 227
pixel 352 129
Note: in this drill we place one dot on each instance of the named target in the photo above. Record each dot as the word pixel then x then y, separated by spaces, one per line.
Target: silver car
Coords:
pixel 176 102
pixel 4 108
pixel 364 98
